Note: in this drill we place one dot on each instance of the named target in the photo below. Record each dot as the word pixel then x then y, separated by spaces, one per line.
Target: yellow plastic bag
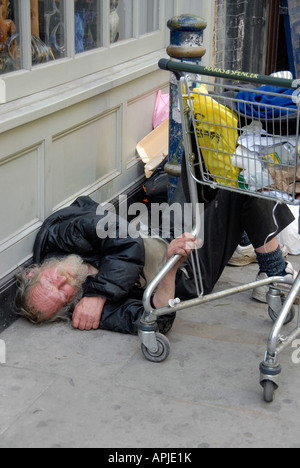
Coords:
pixel 217 133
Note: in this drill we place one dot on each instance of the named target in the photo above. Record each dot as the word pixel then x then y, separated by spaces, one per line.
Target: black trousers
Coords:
pixel 225 220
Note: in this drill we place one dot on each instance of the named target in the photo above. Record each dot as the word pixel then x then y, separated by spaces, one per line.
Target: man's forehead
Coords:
pixel 44 300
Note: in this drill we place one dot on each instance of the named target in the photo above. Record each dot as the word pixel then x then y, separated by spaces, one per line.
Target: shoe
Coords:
pixel 260 293
pixel 245 255
pixel 284 250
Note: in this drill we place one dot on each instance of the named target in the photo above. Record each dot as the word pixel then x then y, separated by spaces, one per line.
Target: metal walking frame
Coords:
pixel 214 116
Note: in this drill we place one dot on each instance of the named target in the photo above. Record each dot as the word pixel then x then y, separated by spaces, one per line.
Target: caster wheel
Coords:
pixel 269 390
pixel 162 352
pixel 290 317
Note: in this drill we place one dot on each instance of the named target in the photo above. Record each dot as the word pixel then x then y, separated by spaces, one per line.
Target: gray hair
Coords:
pixel 24 309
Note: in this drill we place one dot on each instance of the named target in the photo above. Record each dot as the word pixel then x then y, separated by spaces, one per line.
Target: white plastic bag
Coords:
pixel 255 175
pixel 290 236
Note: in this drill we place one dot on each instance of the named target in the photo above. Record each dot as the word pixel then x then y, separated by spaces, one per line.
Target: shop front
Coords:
pixel 78 84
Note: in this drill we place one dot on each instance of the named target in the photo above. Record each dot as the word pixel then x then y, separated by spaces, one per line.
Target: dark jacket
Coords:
pixel 73 230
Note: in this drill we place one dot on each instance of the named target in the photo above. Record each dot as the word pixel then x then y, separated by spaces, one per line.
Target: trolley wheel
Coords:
pixel 269 390
pixel 290 317
pixel 163 349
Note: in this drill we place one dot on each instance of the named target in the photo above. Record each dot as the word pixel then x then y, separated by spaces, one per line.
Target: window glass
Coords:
pixel 34 32
pixel 121 20
pixel 47 30
pixel 149 16
pixel 9 36
pixel 87 25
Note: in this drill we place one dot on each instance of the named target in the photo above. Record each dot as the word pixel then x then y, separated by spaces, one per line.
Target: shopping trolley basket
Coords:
pixel 247 141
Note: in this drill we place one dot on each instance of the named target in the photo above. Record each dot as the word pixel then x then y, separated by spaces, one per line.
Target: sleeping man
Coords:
pixel 97 281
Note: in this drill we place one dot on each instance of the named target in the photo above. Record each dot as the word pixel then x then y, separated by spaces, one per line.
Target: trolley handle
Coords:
pixel 184 67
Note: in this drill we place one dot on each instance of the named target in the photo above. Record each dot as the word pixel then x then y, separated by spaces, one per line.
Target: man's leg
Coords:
pixel 245 253
pixel 226 218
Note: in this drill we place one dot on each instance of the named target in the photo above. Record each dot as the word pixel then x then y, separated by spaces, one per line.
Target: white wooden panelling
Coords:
pixel 85 156
pixel 139 118
pixel 21 187
pixel 22 205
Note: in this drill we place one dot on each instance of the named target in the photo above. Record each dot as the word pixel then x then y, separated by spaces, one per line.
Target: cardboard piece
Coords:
pixel 154 147
pixel 284 178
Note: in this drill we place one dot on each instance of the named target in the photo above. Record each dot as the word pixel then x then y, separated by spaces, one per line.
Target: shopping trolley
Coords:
pixel 247 141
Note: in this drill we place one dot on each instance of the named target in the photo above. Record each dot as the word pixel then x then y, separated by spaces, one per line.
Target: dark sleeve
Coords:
pixel 122 261
pixel 125 317
pixel 119 260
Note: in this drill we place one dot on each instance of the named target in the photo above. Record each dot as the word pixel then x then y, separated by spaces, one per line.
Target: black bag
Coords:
pixel 156 187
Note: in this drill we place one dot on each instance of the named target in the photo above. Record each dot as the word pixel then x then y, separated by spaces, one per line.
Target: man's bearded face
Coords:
pixel 58 283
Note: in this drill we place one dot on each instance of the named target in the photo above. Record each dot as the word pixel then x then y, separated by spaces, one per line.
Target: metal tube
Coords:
pixel 272 341
pixel 154 284
pixel 214 296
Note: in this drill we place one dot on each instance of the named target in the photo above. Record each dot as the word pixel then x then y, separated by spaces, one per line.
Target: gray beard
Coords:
pixel 75 265
pixel 79 269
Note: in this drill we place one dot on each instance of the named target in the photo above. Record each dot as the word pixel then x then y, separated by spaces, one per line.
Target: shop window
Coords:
pixel 62 40
pixel 149 16
pixel 47 39
pixel 87 25
pixel 121 20
pixel 47 30
pixel 9 36
pixel 127 19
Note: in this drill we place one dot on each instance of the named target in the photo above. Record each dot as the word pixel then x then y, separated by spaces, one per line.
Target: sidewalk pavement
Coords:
pixel 62 388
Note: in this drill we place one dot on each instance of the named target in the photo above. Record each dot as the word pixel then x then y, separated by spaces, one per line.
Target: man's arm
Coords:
pixel 166 290
pixel 87 313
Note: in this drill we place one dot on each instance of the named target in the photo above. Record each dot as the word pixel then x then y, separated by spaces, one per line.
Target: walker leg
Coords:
pixel 276 300
pixel 269 378
pixel 155 346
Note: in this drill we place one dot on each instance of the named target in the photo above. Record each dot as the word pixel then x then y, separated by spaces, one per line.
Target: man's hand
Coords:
pixel 183 246
pixel 87 313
